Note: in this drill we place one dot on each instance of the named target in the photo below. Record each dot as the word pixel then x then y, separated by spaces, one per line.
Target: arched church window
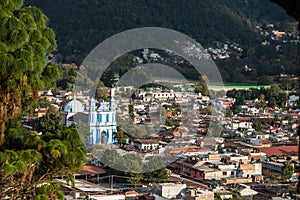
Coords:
pixel 103 137
pixel 98 137
pixel 91 138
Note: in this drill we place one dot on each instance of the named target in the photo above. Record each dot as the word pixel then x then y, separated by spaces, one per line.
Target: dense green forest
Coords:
pixel 80 25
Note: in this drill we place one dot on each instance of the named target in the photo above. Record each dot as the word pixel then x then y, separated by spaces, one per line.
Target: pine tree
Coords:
pixel 28 159
pixel 287 171
pixel 25 40
pixel 202 86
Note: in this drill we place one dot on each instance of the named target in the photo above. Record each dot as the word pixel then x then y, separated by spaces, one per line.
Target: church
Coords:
pixel 100 118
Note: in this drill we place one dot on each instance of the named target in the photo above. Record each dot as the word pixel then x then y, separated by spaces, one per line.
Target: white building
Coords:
pixel 163 95
pixel 146 144
pixel 101 119
pixel 170 190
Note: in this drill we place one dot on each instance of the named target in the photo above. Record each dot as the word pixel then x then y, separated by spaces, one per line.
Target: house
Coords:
pixel 204 172
pixel 163 95
pixel 82 186
pixel 222 103
pixel 40 112
pixel 48 95
pixel 250 169
pixel 280 150
pixel 246 192
pixel 257 177
pixel 169 113
pixel 180 132
pixel 237 158
pixel 274 167
pixel 277 34
pixel 292 101
pixel 224 194
pixel 146 144
pixel 236 180
pixel 240 122
pixel 170 190
pixel 253 111
pixel 196 194
pixel 90 171
pixel 261 142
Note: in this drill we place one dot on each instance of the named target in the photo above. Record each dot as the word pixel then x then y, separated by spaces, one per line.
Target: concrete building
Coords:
pixel 171 190
pixel 196 194
pixel 146 144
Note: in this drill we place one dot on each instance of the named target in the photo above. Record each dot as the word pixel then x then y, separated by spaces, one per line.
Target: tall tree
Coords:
pixel 102 92
pixel 25 41
pixel 155 170
pixel 131 112
pixel 217 196
pixel 30 159
pixel 201 86
pixel 120 136
pixel 258 126
pixel 287 171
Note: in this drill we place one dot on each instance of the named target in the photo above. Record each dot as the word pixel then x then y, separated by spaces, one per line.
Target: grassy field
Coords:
pixel 214 86
pixel 237 86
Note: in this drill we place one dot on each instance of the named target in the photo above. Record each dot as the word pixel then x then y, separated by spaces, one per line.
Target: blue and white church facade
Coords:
pixel 101 119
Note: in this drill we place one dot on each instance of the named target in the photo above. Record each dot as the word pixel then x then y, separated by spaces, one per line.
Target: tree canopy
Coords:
pixel 30 160
pixel 131 166
pixel 25 40
pixel 287 171
pixel 232 22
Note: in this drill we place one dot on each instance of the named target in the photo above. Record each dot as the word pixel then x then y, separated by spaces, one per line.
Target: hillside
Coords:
pixel 82 24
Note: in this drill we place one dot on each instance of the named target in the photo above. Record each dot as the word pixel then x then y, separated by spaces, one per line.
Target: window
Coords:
pixel 224 173
pixel 98 137
pixel 91 138
pixel 103 137
pixel 99 117
pixel 107 118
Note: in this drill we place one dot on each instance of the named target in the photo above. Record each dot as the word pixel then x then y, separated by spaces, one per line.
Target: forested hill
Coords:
pixel 82 24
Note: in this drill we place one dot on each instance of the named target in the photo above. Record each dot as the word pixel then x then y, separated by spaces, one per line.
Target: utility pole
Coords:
pixel 287 95
pixel 111 183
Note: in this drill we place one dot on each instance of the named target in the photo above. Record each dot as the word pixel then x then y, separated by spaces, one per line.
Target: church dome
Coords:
pixel 74 106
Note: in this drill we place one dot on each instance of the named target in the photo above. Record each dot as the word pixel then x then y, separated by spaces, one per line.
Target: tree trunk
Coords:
pixel 9 109
pixel 3 119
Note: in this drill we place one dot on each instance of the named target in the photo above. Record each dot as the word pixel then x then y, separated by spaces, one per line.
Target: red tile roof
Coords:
pixel 244 119
pixel 90 169
pixel 280 150
pixel 265 141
